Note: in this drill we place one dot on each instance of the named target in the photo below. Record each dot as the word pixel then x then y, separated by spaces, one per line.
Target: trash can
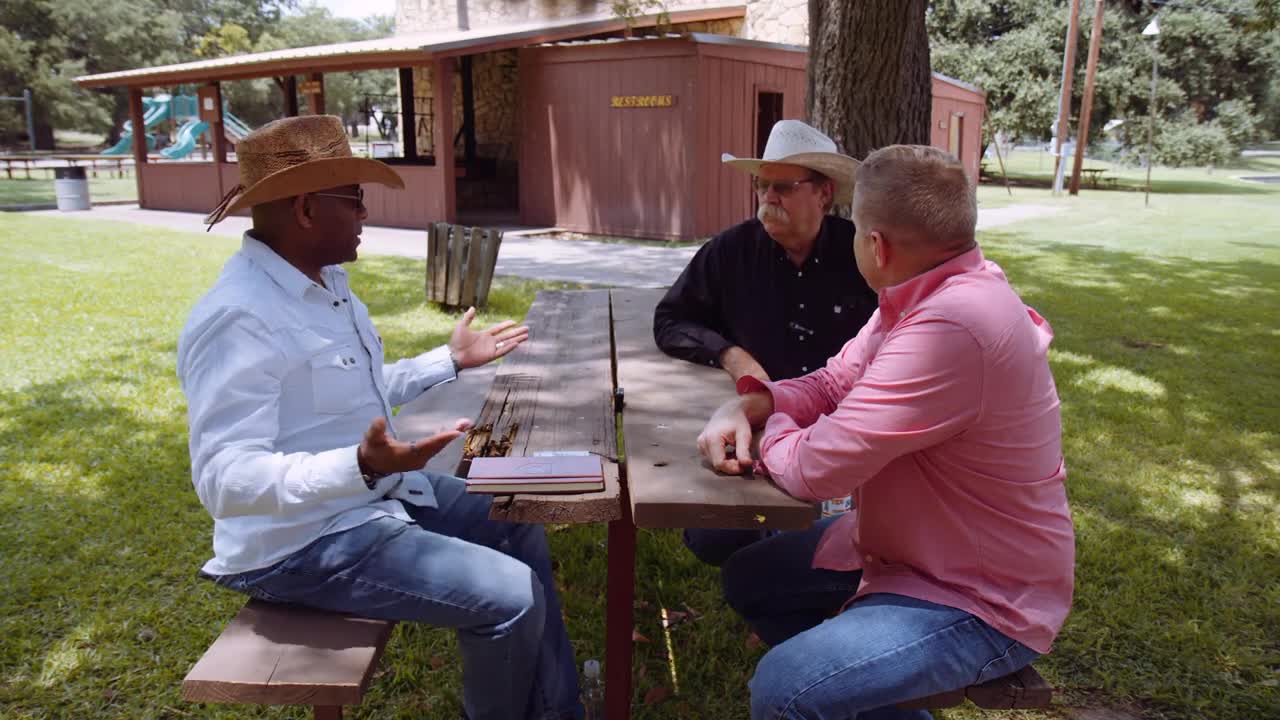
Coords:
pixel 71 188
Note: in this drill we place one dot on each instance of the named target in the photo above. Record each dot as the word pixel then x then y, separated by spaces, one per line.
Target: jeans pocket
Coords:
pixel 1015 657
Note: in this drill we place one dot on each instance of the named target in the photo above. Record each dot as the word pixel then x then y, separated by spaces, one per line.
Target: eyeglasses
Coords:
pixel 358 197
pixel 782 187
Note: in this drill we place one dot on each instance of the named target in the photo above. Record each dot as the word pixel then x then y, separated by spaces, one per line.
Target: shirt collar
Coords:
pixel 820 243
pixel 899 299
pixel 288 277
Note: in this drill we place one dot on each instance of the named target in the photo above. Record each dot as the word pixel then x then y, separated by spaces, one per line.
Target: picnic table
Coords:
pixel 590 356
pixel 114 164
pixel 1093 175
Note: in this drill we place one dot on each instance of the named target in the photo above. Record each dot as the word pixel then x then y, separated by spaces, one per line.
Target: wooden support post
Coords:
pixel 139 140
pixel 619 604
pixel 290 89
pixel 408 118
pixel 468 113
pixel 1095 46
pixel 1064 100
pixel 442 135
pixel 212 93
pixel 315 98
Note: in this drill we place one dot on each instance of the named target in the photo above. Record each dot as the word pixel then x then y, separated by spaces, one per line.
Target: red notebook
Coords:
pixel 506 475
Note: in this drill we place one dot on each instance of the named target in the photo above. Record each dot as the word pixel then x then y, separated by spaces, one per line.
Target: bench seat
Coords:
pixel 1021 690
pixel 290 655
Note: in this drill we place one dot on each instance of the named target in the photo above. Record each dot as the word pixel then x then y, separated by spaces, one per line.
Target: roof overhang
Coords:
pixel 396 51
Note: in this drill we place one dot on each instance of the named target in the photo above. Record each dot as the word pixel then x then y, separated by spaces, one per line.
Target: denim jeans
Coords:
pixel 881 650
pixel 714 546
pixel 451 567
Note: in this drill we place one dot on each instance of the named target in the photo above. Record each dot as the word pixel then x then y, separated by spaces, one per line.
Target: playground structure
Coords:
pixel 161 107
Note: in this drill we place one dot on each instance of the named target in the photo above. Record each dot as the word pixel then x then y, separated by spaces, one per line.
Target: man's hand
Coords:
pixel 382 454
pixel 728 426
pixel 738 362
pixel 472 348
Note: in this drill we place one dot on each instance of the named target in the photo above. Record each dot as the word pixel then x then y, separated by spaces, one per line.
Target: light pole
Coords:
pixel 1152 29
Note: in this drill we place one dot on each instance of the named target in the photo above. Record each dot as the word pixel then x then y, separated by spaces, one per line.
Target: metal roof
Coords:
pixel 396 51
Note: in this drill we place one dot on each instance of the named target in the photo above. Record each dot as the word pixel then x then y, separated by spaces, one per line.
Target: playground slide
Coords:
pixel 156 110
pixel 233 127
pixel 186 141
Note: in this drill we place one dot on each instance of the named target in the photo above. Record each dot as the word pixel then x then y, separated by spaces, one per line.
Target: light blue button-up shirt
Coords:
pixel 282 378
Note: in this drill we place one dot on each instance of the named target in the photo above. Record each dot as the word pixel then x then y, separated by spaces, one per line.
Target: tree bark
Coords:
pixel 869 74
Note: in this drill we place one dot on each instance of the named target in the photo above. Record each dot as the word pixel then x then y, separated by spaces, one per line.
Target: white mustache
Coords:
pixel 767 211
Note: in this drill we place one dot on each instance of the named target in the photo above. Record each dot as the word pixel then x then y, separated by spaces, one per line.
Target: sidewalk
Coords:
pixel 540 258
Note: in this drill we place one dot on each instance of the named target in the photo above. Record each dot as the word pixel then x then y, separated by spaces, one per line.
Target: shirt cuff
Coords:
pixel 435 366
pixel 748 384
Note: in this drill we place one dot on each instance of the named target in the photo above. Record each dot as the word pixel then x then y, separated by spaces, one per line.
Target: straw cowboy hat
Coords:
pixel 295 156
pixel 792 142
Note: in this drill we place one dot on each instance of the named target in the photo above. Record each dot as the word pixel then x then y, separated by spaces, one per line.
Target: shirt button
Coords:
pixel 799 273
pixel 868 558
pixel 805 368
pixel 335 303
pixel 801 338
pixel 801 306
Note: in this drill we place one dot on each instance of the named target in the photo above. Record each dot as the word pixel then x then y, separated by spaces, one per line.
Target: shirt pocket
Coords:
pixel 338 380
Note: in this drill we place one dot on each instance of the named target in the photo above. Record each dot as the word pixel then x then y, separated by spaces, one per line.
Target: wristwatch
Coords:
pixel 370 477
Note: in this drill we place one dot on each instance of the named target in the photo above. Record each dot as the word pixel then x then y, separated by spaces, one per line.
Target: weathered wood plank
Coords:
pixel 555 394
pixel 437 261
pixel 475 241
pixel 289 655
pixel 457 260
pixel 668 402
pixel 437 409
pixel 492 244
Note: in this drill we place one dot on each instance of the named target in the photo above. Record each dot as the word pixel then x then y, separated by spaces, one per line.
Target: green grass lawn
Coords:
pixel 1166 361
pixel 39 189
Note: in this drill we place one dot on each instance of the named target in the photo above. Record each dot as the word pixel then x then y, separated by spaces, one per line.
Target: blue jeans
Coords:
pixel 714 546
pixel 882 650
pixel 451 567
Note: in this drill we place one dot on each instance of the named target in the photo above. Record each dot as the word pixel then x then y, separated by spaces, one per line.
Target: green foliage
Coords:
pixel 46 44
pixel 1218 62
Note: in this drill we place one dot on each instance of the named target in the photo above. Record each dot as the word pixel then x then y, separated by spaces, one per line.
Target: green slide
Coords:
pixel 154 110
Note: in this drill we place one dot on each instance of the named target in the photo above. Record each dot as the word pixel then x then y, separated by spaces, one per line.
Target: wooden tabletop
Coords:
pixel 556 393
pixel 668 402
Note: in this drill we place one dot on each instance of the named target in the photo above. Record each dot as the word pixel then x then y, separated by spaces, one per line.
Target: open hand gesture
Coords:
pixel 472 348
pixel 383 454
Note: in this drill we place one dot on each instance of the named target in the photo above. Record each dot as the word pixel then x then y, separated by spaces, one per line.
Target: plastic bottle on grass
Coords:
pixel 593 690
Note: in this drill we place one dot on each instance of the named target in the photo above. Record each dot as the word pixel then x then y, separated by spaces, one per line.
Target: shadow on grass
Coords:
pixel 1166 372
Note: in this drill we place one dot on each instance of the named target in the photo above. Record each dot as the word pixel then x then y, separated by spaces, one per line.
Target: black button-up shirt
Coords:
pixel 740 289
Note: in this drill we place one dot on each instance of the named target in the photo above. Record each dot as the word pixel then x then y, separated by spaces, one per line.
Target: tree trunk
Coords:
pixel 869 76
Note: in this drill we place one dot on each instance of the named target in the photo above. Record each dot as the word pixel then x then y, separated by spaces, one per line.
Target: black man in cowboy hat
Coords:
pixel 315 499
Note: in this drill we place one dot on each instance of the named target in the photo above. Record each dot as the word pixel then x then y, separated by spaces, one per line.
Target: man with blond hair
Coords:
pixel 942 419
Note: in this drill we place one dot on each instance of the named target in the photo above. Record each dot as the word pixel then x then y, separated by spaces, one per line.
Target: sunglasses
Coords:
pixel 782 187
pixel 358 197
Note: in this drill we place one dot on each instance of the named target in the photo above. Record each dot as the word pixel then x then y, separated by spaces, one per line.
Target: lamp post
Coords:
pixel 1152 29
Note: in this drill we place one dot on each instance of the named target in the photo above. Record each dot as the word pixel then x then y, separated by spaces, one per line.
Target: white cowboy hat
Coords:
pixel 792 142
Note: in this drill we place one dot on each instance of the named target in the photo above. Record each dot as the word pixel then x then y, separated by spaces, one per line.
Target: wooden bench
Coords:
pixel 1021 690
pixel 273 654
pixel 290 655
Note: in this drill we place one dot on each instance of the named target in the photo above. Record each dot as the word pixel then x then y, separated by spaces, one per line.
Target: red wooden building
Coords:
pixel 608 135
pixel 624 137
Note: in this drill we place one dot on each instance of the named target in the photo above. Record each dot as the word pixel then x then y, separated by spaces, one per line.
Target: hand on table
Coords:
pixel 729 426
pixel 473 348
pixel 383 454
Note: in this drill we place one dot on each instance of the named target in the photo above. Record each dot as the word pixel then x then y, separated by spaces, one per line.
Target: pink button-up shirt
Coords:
pixel 941 419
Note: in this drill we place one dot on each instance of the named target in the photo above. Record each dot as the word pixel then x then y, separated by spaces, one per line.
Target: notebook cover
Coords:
pixel 487 470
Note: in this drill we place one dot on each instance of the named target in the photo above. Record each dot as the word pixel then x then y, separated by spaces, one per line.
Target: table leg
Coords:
pixel 619 614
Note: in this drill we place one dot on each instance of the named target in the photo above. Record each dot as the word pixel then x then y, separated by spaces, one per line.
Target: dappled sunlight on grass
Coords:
pixel 1115 378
